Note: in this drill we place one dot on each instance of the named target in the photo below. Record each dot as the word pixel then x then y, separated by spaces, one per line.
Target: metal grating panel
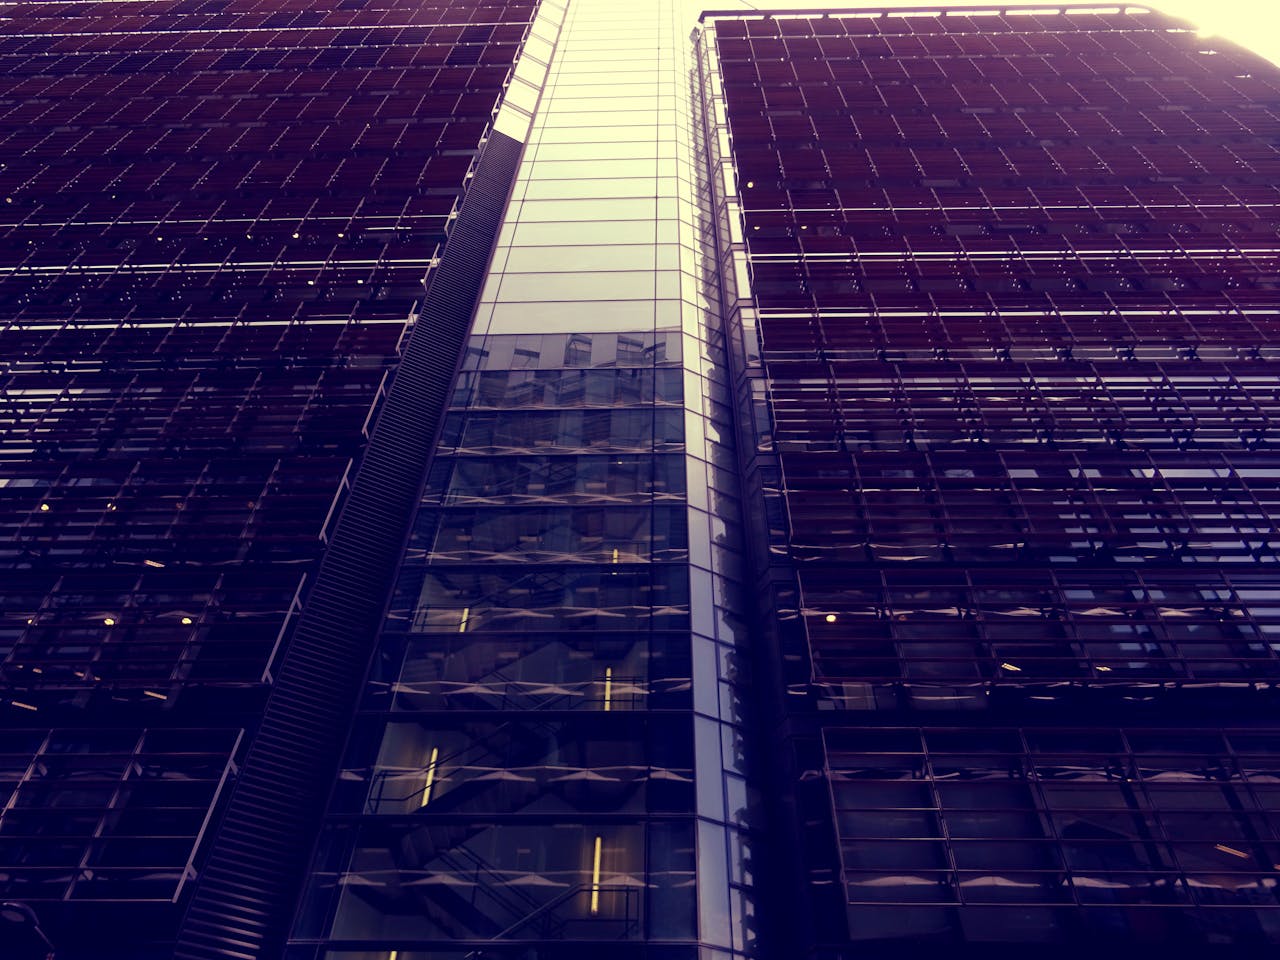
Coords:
pixel 245 896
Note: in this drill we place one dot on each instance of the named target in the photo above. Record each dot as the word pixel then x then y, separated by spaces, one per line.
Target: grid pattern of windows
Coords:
pixel 94 815
pixel 1010 347
pixel 1107 626
pixel 1083 829
pixel 522 765
pixel 215 222
pixel 549 758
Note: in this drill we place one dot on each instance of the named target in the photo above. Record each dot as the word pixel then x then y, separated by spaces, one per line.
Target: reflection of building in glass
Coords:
pixel 548 745
pixel 880 400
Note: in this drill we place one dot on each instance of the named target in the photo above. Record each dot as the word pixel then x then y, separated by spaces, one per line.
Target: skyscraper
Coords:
pixel 549 753
pixel 217 217
pixel 1010 348
pixel 820 503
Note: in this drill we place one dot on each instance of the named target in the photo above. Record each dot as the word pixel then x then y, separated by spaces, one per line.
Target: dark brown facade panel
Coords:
pixel 1017 316
pixel 215 221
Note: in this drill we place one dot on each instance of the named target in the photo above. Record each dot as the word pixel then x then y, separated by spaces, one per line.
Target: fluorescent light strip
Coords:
pixel 431 777
pixel 595 878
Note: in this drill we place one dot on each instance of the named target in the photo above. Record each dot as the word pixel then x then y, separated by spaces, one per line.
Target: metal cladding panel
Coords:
pixel 1015 315
pixel 245 896
pixel 215 219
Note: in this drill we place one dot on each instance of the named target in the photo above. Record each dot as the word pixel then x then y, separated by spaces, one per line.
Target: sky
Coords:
pixel 1251 23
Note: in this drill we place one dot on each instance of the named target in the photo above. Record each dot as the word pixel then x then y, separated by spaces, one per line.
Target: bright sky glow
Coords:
pixel 1254 24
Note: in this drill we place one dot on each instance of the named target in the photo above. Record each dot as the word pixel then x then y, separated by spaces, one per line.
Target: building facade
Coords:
pixel 549 758
pixel 1010 352
pixel 819 503
pixel 217 217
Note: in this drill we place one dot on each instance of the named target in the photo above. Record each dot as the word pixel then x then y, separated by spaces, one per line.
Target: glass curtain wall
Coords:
pixel 215 216
pixel 1011 342
pixel 549 754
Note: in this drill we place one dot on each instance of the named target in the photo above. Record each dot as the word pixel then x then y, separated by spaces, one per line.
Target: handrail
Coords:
pixel 626 689
pixel 512 905
pixel 483 868
pixel 381 777
pixel 544 908
pixel 628 893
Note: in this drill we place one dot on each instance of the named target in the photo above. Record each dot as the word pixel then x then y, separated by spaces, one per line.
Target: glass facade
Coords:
pixel 523 759
pixel 215 220
pixel 549 754
pixel 1009 348
pixel 512 480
